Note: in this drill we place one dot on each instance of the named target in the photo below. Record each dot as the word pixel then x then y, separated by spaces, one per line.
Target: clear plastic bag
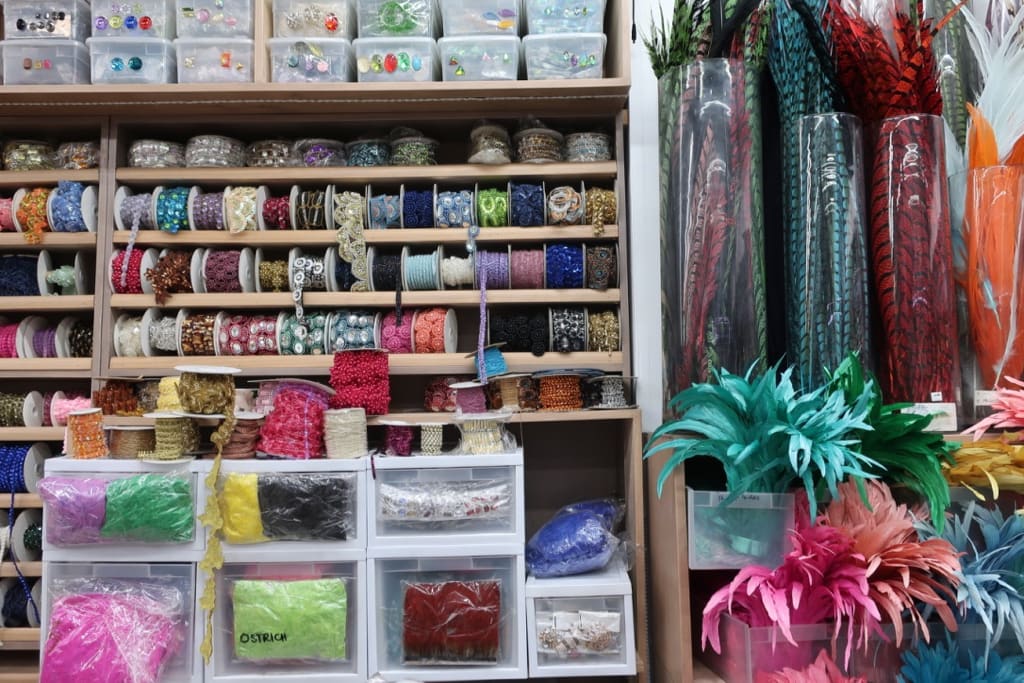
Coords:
pixel 279 507
pixel 577 540
pixel 451 622
pixel 485 436
pixel 114 631
pixel 75 509
pixel 303 620
pixel 570 634
pixel 443 502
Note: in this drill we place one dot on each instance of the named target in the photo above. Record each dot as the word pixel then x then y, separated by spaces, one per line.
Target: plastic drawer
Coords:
pixel 479 58
pixel 564 16
pixel 387 60
pixel 214 60
pixel 397 18
pixel 312 60
pixel 46 20
pixel 127 60
pixel 312 19
pixel 476 17
pixel 197 18
pixel 564 55
pixel 45 62
pixel 754 529
pixel 140 19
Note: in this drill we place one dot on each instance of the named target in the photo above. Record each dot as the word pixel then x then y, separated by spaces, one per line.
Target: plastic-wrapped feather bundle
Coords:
pixel 275 507
pixel 578 539
pixel 112 632
pixel 151 508
pixel 451 622
pixel 75 509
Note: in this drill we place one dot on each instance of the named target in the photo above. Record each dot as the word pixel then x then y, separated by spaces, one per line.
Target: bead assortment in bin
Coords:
pixel 479 58
pixel 479 17
pixel 323 60
pixel 397 18
pixel 312 18
pixel 396 59
pixel 128 60
pixel 564 55
pixel 213 60
pixel 52 20
pixel 44 62
pixel 139 19
pixel 199 18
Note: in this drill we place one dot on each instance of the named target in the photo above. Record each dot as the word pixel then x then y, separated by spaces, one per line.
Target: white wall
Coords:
pixel 644 221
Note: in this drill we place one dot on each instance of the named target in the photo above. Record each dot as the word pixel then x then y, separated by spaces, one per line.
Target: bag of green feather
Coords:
pixel 150 508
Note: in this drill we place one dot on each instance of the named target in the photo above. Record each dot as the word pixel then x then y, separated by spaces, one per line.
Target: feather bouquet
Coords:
pixel 991 591
pixel 886 66
pixel 823 670
pixel 711 228
pixel 941 662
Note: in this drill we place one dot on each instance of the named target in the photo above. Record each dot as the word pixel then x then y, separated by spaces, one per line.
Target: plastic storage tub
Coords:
pixel 564 55
pixel 450 500
pixel 397 18
pixel 479 58
pixel 754 529
pixel 450 616
pixel 141 19
pixel 314 60
pixel 390 60
pixel 196 18
pixel 101 614
pixel 565 16
pixel 214 60
pixel 44 62
pixel 475 17
pixel 128 60
pixel 309 19
pixel 581 625
pixel 50 20
pixel 301 621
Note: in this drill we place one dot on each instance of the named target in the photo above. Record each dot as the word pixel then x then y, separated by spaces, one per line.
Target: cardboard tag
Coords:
pixel 984 398
pixel 944 418
pixel 746 500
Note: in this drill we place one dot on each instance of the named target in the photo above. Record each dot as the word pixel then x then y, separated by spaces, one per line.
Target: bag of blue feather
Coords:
pixel 578 539
pixel 297 507
pixel 150 508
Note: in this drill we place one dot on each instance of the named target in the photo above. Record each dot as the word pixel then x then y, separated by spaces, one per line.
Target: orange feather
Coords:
pixel 1016 156
pixel 981 141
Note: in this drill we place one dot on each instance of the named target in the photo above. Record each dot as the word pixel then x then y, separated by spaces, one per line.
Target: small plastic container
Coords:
pixel 393 60
pixel 448 615
pixel 754 529
pixel 564 55
pixel 197 18
pixel 143 618
pixel 397 18
pixel 314 60
pixel 312 19
pixel 51 20
pixel 300 620
pixel 476 17
pixel 141 19
pixel 453 500
pixel 479 58
pixel 214 60
pixel 127 60
pixel 581 625
pixel 564 16
pixel 45 62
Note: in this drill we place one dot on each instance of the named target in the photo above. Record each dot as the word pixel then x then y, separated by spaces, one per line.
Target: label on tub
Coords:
pixel 943 415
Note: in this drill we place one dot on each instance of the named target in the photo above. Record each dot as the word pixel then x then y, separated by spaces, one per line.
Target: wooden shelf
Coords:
pixel 285 239
pixel 18 639
pixel 47 367
pixel 19 667
pixel 23 500
pixel 30 434
pixel 283 300
pixel 42 304
pixel 51 240
pixel 34 178
pixel 29 569
pixel 586 97
pixel 401 364
pixel 355 174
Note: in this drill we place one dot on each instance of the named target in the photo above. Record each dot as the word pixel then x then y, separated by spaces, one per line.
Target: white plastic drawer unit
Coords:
pixel 460 499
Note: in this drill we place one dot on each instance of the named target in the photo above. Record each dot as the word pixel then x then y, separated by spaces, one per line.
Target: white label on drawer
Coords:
pixel 943 415
pixel 745 500
pixel 565 621
pixel 984 397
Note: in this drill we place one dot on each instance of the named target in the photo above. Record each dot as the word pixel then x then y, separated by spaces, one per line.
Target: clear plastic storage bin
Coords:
pixel 564 55
pixel 448 618
pixel 127 60
pixel 120 622
pixel 453 500
pixel 44 62
pixel 214 60
pixel 388 60
pixel 565 16
pixel 754 529
pixel 301 621
pixel 397 18
pixel 312 19
pixel 475 17
pixel 50 20
pixel 140 19
pixel 313 60
pixel 479 58
pixel 581 625
pixel 196 18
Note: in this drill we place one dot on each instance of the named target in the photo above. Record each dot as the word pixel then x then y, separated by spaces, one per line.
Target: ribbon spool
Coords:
pixel 7 215
pixel 417 208
pixel 167 401
pixel 159 334
pixel 206 151
pixel 609 392
pixel 345 433
pixel 227 271
pixel 19 610
pixel 26 535
pixel 21 466
pixel 62 405
pixel 17 410
pixel 206 210
pixel 243 335
pixel 170 207
pixel 244 437
pixel 516 393
pixel 564 266
pixel 435 330
pixel 493 362
pixel 470 398
pixel 73 207
pixel 126 442
pixel 196 333
pixel 398 438
pixel 454 208
pixel 361 380
pixel 116 397
pixel 560 392
pixel 175 436
pixel 539 145
pixel 527 268
pixel 306 337
pixel 603 331
pixel 569 328
pixel 126 271
pixel 241 209
pixel 171 275
pixel 431 438
pixel 310 209
pixel 353 330
pixel 22 275
pixel 156 154
pixel 566 205
pixel 482 436
pixel 396 336
pixel 421 271
pixel 588 147
pixel 273 213
pixel 295 428
pixel 30 215
pixel 83 438
pixel 385 270
pixel 383 211
pixel 128 336
pixel 489 144
pixel 527 204
pixel 271 274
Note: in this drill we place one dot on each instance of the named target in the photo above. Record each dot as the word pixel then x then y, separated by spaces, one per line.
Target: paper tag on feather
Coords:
pixel 944 418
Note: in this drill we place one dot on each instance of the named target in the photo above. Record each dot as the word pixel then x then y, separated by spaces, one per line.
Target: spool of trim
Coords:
pixel 22 522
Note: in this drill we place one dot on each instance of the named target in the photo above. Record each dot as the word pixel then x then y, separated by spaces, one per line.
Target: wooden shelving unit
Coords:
pixel 30 434
pixel 51 240
pixel 37 178
pixel 28 569
pixel 39 304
